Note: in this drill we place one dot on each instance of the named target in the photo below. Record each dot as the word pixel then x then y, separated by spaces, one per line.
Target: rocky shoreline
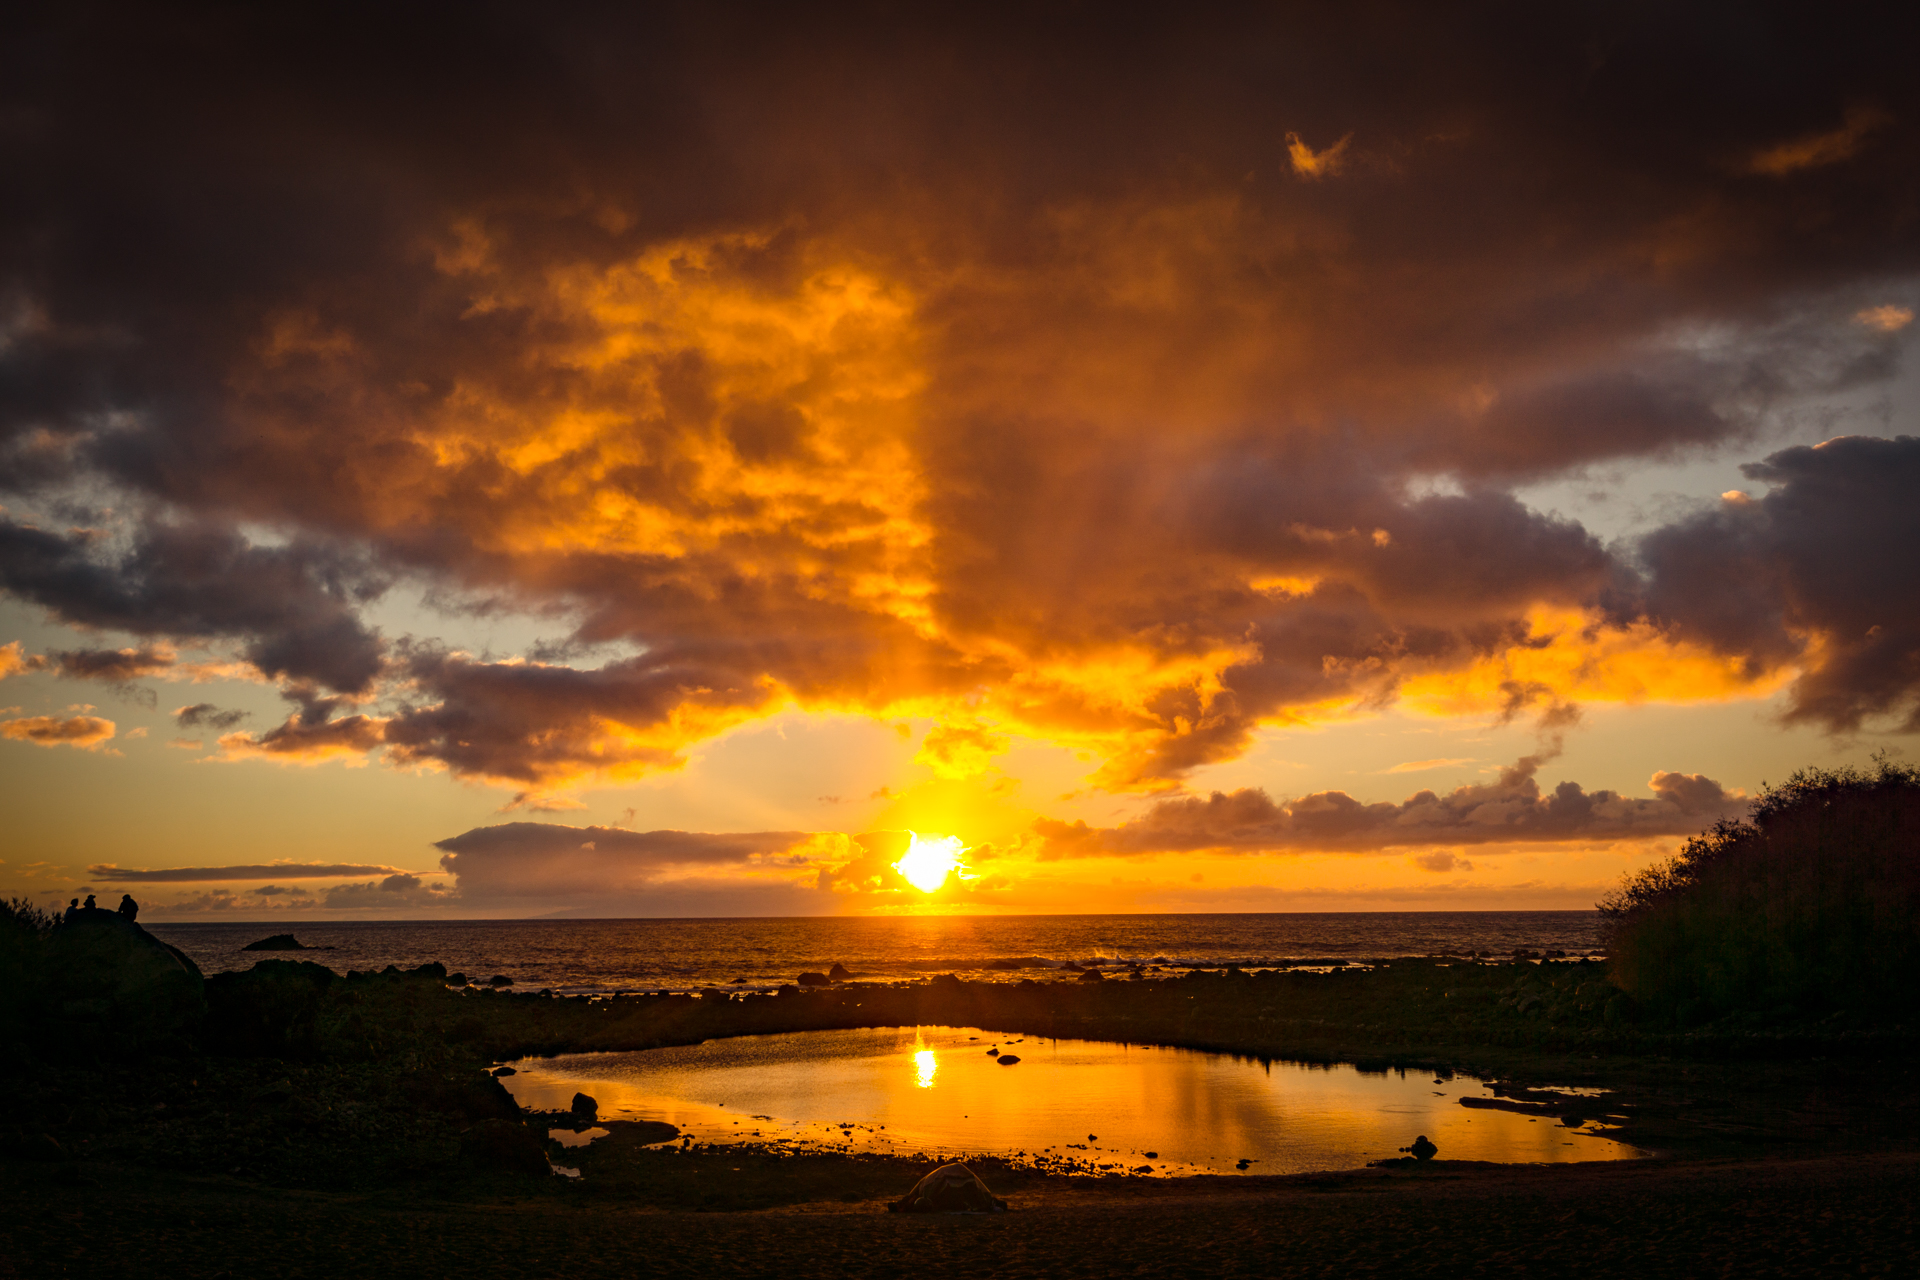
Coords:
pixel 291 1078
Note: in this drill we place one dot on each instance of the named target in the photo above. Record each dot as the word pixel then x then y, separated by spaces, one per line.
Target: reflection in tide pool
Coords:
pixel 937 1090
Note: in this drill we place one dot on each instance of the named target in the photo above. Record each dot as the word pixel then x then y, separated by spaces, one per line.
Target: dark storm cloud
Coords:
pixel 1511 810
pixel 115 666
pixel 1829 551
pixel 857 357
pixel 292 606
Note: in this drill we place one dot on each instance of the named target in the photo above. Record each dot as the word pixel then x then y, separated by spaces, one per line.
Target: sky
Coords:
pixel 489 460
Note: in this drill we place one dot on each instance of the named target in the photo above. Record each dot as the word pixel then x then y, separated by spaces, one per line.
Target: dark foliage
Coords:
pixel 1810 903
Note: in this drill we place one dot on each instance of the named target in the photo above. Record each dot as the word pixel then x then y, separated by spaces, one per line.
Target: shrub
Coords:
pixel 1810 903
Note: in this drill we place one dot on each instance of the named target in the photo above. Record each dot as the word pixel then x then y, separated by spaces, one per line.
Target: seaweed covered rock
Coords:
pixel 952 1188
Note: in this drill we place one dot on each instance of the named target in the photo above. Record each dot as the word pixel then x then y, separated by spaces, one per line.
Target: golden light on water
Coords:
pixel 924 1068
pixel 929 860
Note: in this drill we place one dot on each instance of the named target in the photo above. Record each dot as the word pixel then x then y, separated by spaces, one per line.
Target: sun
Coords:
pixel 928 860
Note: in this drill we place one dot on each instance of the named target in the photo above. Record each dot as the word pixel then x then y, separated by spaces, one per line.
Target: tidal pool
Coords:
pixel 1094 1104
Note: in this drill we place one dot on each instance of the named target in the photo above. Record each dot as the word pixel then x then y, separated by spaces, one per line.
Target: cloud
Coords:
pixel 115 666
pixel 16 661
pixel 1440 860
pixel 1511 810
pixel 253 871
pixel 1817 572
pixel 1315 165
pixel 205 713
pixel 541 859
pixel 1421 766
pixel 813 393
pixel 86 732
pixel 1817 150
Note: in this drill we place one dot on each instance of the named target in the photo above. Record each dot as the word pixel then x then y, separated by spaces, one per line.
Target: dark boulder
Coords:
pixel 1091 975
pixel 813 980
pixel 1008 1059
pixel 499 980
pixel 839 973
pixel 505 1146
pixel 952 1188
pixel 270 1011
pixel 585 1109
pixel 1421 1149
pixel 469 1095
pixel 101 968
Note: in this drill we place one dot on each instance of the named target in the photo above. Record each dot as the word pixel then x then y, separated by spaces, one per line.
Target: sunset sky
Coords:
pixel 476 461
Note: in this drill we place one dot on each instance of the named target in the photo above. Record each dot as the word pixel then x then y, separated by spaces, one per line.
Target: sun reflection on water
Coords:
pixel 924 1068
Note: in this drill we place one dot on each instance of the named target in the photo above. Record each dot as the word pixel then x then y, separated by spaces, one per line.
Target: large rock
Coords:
pixel 952 1188
pixel 839 973
pixel 505 1146
pixel 270 1011
pixel 104 973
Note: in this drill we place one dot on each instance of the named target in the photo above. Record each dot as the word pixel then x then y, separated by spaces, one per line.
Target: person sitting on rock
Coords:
pixel 128 907
pixel 73 908
pixel 90 904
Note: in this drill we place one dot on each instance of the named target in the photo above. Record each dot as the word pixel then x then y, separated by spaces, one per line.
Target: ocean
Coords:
pixel 582 956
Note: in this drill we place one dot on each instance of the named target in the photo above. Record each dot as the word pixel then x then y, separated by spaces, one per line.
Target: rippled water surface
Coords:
pixel 1099 1105
pixel 608 955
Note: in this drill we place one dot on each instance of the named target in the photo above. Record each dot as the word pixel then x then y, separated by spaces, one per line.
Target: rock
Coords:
pixel 470 1095
pixel 585 1109
pixel 813 980
pixel 280 942
pixel 504 1071
pixel 506 1146
pixel 270 1011
pixel 839 974
pixel 1421 1148
pixel 737 982
pixel 499 980
pixel 952 1188
pixel 108 969
pixel 1008 1059
pixel 994 1052
pixel 456 979
pixel 1091 975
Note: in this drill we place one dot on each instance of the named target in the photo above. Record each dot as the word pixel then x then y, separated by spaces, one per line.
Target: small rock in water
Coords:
pixel 813 980
pixel 584 1108
pixel 1421 1148
pixel 737 982
pixel 499 980
pixel 278 942
pixel 839 974
pixel 1093 1137
pixel 505 1071
pixel 1008 1059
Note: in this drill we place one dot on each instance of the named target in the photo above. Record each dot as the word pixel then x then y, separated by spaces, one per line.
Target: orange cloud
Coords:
pixel 88 733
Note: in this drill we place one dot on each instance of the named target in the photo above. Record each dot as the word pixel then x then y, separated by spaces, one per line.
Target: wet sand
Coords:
pixel 1826 1215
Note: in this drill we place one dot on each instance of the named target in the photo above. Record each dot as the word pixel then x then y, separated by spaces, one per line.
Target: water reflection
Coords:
pixel 1193 1111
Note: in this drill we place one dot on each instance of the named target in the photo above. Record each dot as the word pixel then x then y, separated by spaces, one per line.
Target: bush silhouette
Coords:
pixel 1811 903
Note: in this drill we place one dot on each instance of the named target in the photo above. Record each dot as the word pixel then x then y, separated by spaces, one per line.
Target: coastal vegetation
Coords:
pixel 1806 907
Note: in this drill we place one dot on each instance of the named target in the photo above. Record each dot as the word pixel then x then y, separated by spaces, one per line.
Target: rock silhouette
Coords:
pixel 281 942
pixel 952 1188
pixel 1421 1148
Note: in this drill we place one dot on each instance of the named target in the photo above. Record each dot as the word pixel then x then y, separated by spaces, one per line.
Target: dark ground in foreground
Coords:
pixel 1825 1215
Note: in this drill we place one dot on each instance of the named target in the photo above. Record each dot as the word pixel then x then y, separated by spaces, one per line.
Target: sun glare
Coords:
pixel 928 860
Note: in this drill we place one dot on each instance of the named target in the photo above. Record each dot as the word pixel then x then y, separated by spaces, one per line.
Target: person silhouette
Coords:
pixel 128 907
pixel 90 906
pixel 73 908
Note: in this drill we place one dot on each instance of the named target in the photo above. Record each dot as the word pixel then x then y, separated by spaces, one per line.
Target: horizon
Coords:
pixel 1255 462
